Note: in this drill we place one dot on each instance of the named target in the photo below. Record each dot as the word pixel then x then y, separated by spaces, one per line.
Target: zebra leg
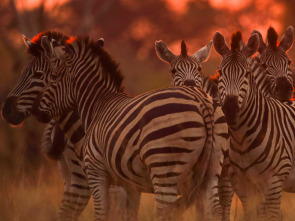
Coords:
pixel 133 201
pixel 211 202
pixel 99 183
pixel 77 193
pixel 118 203
pixel 226 193
pixel 272 202
pixel 166 197
pixel 64 212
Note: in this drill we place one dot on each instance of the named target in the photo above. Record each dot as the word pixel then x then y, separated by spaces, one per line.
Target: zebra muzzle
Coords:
pixel 10 112
pixel 230 109
pixel 283 89
pixel 189 83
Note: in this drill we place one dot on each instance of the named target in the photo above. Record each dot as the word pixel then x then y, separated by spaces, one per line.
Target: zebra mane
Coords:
pixel 272 37
pixel 107 62
pixel 183 49
pixel 36 49
pixel 236 40
pixel 214 77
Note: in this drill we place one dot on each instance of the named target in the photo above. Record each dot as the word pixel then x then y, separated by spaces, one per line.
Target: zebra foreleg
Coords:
pixel 76 188
pixel 272 202
pixel 99 183
pixel 226 192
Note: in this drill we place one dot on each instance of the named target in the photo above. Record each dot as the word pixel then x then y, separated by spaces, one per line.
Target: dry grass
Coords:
pixel 22 200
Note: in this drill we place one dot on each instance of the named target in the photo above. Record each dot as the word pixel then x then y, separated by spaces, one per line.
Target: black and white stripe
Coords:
pixel 153 143
pixel 261 132
pixel 18 106
pixel 186 70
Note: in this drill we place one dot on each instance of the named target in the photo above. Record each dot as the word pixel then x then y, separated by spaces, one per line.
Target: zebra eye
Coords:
pixel 173 71
pixel 264 65
pixel 199 68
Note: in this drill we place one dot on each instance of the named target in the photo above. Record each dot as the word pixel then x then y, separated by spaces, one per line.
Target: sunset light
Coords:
pixel 31 4
pixel 127 109
pixel 178 6
pixel 231 5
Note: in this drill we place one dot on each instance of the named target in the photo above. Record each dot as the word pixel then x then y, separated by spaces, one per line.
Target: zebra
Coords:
pixel 144 143
pixel 274 62
pixel 186 70
pixel 18 106
pixel 261 138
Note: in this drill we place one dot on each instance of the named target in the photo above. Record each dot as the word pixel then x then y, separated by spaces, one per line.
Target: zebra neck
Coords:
pixel 253 115
pixel 94 92
pixel 261 78
pixel 71 126
pixel 254 100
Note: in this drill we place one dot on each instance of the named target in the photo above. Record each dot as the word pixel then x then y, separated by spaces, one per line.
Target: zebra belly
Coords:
pixel 166 155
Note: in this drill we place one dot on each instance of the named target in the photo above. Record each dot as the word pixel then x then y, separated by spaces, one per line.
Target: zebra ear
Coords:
pixel 163 52
pixel 220 44
pixel 203 54
pixel 287 40
pixel 28 42
pixel 252 45
pixel 100 42
pixel 262 45
pixel 45 44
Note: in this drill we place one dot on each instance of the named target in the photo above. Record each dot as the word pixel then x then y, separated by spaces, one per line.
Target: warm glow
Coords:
pixel 178 6
pixel 31 4
pixel 141 28
pixel 231 5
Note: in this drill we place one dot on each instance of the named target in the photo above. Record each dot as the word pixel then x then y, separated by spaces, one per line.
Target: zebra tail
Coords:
pixel 202 167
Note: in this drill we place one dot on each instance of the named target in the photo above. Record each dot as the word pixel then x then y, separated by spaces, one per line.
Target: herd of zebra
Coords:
pixel 205 138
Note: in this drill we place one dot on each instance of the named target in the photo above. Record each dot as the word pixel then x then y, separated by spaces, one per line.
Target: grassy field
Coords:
pixel 24 200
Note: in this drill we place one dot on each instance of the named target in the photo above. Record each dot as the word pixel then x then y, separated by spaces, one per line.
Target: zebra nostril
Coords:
pixel 189 83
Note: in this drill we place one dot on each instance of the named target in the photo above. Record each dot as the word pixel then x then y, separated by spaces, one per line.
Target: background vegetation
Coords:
pixel 30 184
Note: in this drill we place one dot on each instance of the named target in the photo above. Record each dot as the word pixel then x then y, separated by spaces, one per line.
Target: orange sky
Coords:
pixel 29 4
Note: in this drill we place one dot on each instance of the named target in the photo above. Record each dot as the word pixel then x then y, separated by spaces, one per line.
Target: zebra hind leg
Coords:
pixel 133 201
pixel 166 197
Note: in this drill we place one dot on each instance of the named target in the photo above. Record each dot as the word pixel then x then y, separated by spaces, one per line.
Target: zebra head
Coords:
pixel 275 62
pixel 186 69
pixel 20 100
pixel 56 97
pixel 234 73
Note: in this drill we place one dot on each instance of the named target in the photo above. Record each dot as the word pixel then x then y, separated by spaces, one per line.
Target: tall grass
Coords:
pixel 37 198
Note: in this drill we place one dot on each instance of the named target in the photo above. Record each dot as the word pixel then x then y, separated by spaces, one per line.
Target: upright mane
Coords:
pixel 107 62
pixel 36 49
pixel 272 37
pixel 183 49
pixel 236 41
